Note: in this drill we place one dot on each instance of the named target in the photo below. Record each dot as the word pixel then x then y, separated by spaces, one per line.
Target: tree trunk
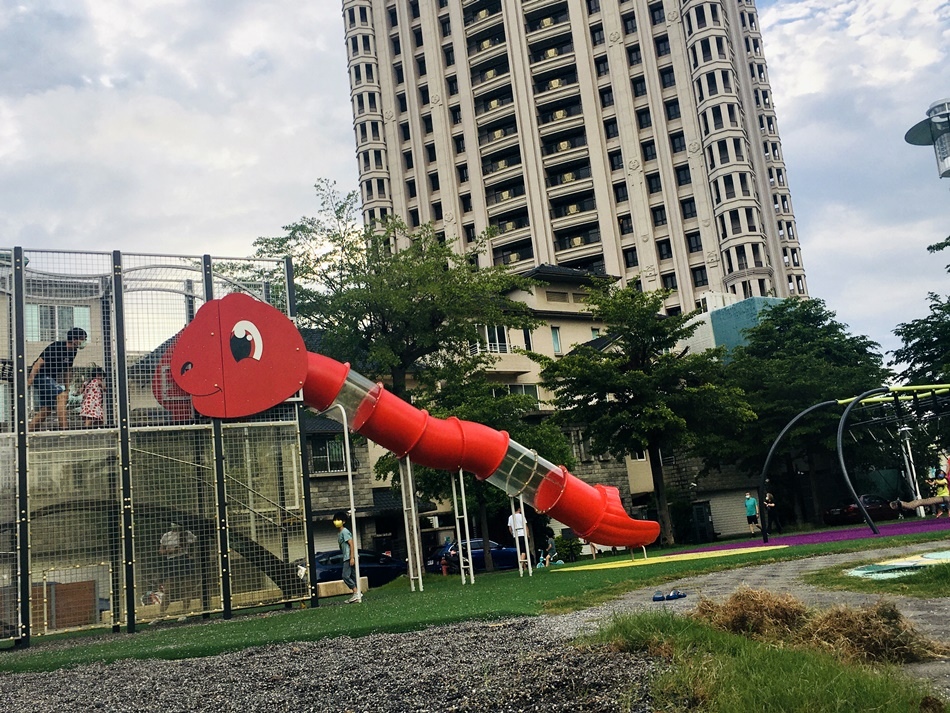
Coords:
pixel 659 489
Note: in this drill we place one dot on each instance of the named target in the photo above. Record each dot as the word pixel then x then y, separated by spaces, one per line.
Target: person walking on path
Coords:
pixel 772 521
pixel 752 513
pixel 345 541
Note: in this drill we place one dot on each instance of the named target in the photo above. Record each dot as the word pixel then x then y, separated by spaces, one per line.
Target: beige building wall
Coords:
pixel 630 138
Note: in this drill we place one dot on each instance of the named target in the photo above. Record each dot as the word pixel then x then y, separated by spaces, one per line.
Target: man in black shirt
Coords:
pixel 50 375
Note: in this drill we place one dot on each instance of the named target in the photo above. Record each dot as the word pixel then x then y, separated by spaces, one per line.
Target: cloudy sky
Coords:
pixel 165 126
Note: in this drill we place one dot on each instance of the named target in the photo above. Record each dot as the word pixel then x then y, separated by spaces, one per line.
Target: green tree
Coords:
pixel 924 357
pixel 643 391
pixel 799 355
pixel 390 300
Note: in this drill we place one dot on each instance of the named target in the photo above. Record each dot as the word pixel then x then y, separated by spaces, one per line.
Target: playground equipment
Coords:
pixel 887 405
pixel 240 356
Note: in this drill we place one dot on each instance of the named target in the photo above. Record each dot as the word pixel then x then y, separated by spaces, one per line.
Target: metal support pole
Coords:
pixel 466 566
pixel 410 515
pixel 21 418
pixel 221 496
pixel 125 443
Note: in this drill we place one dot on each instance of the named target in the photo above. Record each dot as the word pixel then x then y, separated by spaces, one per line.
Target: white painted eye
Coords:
pixel 246 341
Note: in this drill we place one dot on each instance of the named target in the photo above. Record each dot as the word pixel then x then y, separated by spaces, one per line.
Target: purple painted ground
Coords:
pixel 907 526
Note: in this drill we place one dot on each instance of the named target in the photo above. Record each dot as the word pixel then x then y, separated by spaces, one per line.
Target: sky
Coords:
pixel 173 127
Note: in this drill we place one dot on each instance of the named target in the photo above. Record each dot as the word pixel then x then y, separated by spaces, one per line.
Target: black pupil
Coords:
pixel 240 347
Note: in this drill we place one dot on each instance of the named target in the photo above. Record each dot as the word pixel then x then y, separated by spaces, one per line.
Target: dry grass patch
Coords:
pixel 875 633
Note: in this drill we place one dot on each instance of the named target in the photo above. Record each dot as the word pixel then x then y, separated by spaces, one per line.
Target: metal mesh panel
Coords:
pixel 65 291
pixel 265 513
pixel 75 538
pixel 176 551
pixel 78 548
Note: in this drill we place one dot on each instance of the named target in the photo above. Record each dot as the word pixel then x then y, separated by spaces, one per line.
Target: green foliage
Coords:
pixel 568 548
pixel 797 356
pixel 387 299
pixel 641 392
pixel 925 354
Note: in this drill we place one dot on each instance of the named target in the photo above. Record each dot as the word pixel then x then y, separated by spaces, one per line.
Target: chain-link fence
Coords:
pixel 119 503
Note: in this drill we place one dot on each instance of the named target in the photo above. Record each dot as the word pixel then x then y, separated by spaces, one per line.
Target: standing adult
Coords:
pixel 345 541
pixel 752 513
pixel 516 528
pixel 773 522
pixel 50 375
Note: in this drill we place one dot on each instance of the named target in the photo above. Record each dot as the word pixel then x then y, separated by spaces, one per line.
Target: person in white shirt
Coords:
pixel 516 528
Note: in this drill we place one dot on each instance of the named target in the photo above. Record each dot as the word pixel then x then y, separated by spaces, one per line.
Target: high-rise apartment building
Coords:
pixel 625 137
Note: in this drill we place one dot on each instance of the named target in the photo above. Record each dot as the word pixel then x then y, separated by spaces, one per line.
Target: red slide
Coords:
pixel 240 356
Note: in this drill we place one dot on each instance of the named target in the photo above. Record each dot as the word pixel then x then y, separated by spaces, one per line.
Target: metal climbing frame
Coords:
pixel 119 504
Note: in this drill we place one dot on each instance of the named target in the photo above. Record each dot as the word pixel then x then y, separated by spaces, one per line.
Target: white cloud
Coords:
pixel 170 127
pixel 849 79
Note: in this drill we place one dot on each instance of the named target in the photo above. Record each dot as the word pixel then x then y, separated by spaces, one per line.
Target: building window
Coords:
pixel 662 44
pixel 430 153
pixel 694 242
pixel 407 159
pixel 611 129
pixel 616 160
pixel 602 66
pixel 672 109
pixel 463 173
pixel 621 193
pixel 667 77
pixel 411 188
pixel 669 281
pixel 683 176
pixel 649 150
pixel 48 323
pixel 677 142
pixel 597 36
pixel 658 213
pixel 644 121
pixel 625 222
pixel 630 257
pixel 606 98
pixel 634 57
pixel 593 6
pixel 688 206
pixel 664 250
pixel 654 184
pixel 326 454
pixel 459 142
pixel 556 339
pixel 449 54
pixel 639 85
pixel 629 23
pixel 700 277
pixel 657 15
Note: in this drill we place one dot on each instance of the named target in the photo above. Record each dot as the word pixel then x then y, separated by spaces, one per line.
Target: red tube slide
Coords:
pixel 240 356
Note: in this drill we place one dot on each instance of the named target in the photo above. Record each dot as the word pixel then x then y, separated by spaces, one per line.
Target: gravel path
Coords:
pixel 523 664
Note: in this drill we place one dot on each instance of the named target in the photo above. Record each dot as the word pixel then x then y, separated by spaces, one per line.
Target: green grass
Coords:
pixel 394 608
pixel 926 583
pixel 718 672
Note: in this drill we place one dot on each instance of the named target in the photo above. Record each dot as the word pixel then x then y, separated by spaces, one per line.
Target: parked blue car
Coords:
pixel 502 557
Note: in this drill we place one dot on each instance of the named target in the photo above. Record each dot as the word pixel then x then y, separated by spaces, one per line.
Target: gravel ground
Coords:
pixel 522 664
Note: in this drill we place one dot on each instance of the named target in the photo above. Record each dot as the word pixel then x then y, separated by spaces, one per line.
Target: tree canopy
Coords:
pixel 635 389
pixel 391 312
pixel 799 355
